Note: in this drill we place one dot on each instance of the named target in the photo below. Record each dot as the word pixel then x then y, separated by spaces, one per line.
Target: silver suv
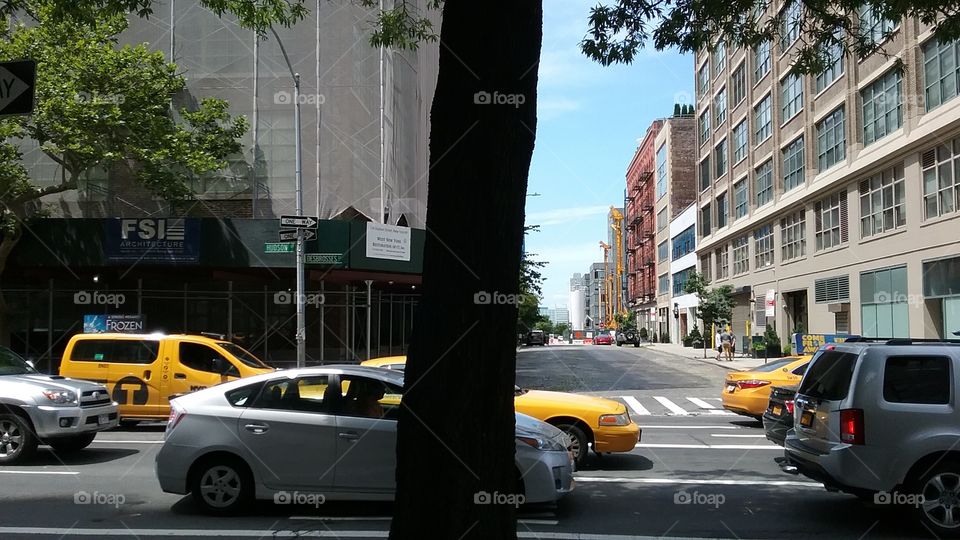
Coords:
pixel 36 408
pixel 880 420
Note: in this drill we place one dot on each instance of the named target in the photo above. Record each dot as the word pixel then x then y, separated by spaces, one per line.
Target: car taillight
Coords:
pixel 176 416
pixel 753 383
pixel 851 426
pixel 789 406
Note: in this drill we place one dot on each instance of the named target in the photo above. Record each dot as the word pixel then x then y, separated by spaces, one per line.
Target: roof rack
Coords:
pixel 223 337
pixel 900 341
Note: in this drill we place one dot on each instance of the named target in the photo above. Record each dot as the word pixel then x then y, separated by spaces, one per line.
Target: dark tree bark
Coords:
pixel 456 427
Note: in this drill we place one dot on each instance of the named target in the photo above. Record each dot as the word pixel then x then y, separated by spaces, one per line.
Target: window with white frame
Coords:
pixel 704 125
pixel 741 203
pixel 662 219
pixel 941 181
pixel 662 171
pixel 722 256
pixel 680 281
pixel 881 101
pixel 719 58
pixel 764 179
pixel 684 243
pixel 723 210
pixel 833 69
pixel 740 141
pixel 790 25
pixel 761 61
pixel 663 251
pixel 741 255
pixel 762 120
pixel 720 158
pixel 873 26
pixel 720 108
pixel 703 79
pixel 831 140
pixel 882 205
pixel 941 72
pixel 791 94
pixel 706 268
pixel 793 236
pixel 705 221
pixel 830 215
pixel 664 284
pixel 705 173
pixel 738 83
pixel 763 246
pixel 793 164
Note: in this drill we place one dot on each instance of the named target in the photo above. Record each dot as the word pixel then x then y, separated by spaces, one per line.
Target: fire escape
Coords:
pixel 641 280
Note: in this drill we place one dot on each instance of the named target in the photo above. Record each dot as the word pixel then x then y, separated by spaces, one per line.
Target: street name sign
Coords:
pixel 279 247
pixel 324 258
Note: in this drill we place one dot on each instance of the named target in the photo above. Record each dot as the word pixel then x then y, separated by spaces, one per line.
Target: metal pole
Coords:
pixel 390 338
pixel 323 309
pixel 379 319
pixel 382 154
pixel 230 310
pixel 369 282
pixel 50 329
pixel 255 122
pixel 301 323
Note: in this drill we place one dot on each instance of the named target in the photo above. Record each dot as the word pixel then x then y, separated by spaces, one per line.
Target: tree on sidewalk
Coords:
pixel 715 305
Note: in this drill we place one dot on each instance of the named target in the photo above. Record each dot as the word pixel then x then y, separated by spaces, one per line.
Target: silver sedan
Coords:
pixel 308 435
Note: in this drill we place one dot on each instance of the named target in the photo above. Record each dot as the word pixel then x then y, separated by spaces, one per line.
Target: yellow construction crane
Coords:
pixel 606 315
pixel 617 217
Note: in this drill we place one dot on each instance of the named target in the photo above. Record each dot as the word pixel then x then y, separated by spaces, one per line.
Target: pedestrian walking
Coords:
pixel 716 343
pixel 733 345
pixel 726 340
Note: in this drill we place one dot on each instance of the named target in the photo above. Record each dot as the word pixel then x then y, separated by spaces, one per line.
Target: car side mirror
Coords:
pixel 221 366
pixel 784 369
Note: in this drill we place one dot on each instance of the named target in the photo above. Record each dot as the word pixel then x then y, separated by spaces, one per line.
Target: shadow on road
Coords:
pixel 87 456
pixel 616 462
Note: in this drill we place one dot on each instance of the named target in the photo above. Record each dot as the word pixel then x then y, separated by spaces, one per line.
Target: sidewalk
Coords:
pixel 740 361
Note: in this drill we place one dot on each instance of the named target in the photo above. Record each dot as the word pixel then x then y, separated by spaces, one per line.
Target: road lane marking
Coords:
pixel 39 472
pixel 289 533
pixel 112 441
pixel 711 446
pixel 691 481
pixel 673 407
pixel 635 405
pixel 737 435
pixel 664 426
pixel 721 412
pixel 700 403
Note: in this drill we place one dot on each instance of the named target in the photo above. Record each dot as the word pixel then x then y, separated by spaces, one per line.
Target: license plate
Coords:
pixel 806 419
pixel 103 419
pixel 731 388
pixel 777 410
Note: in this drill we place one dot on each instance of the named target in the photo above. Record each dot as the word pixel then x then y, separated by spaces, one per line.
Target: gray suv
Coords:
pixel 36 408
pixel 879 419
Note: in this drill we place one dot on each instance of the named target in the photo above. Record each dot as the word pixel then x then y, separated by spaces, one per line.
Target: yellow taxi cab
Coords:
pixel 748 392
pixel 144 371
pixel 591 421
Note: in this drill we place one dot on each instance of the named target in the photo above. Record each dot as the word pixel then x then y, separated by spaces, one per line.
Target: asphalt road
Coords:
pixel 699 475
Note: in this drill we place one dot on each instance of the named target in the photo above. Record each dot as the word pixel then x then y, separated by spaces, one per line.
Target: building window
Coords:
pixel 662 219
pixel 873 27
pixel 720 153
pixel 723 261
pixel 790 26
pixel 680 281
pixel 762 120
pixel 833 69
pixel 719 58
pixel 703 79
pixel 720 108
pixel 740 141
pixel 740 202
pixel 705 173
pixel 882 202
pixel 705 220
pixel 832 290
pixel 941 72
pixel 793 164
pixel 664 284
pixel 684 243
pixel 741 255
pixel 884 303
pixel 723 210
pixel 882 112
pixel 791 93
pixel 663 250
pixel 706 268
pixel 662 171
pixel 704 124
pixel 831 221
pixel 763 246
pixel 793 236
pixel 941 183
pixel 738 85
pixel 761 61
pixel 831 140
pixel 764 177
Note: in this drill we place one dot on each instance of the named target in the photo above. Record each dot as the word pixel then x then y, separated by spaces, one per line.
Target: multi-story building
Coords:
pixel 674 190
pixel 683 261
pixel 558 315
pixel 640 219
pixel 595 296
pixel 837 193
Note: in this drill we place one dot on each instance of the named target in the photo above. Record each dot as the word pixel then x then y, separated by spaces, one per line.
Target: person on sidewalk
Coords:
pixel 726 340
pixel 716 343
pixel 733 344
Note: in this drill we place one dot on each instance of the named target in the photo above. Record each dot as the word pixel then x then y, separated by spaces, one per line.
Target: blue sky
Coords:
pixel 590 119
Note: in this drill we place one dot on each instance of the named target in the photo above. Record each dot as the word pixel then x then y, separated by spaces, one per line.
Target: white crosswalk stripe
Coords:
pixel 635 405
pixel 700 403
pixel 673 406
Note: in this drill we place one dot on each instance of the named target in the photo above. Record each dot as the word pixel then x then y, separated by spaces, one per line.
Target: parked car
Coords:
pixel 143 371
pixel 327 430
pixel 602 423
pixel 628 337
pixel 536 337
pixel 748 392
pixel 603 338
pixel 47 409
pixel 778 418
pixel 880 419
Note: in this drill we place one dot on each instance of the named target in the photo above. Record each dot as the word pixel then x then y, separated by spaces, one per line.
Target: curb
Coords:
pixel 699 359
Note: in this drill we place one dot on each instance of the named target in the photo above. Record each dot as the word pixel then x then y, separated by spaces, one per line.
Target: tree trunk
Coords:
pixel 7 244
pixel 456 427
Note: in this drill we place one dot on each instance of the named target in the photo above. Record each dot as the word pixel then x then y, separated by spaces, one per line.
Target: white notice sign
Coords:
pixel 388 242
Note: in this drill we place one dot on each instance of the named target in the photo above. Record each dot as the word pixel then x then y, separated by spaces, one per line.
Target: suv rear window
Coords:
pixel 118 351
pixel 917 379
pixel 829 376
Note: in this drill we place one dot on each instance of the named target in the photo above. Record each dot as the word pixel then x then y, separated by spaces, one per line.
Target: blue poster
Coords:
pixel 805 344
pixel 152 240
pixel 96 324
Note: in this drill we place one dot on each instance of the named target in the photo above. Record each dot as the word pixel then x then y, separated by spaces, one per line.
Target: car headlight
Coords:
pixel 542 443
pixel 61 397
pixel 622 419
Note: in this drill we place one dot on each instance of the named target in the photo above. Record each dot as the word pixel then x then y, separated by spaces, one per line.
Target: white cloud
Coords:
pixel 564 215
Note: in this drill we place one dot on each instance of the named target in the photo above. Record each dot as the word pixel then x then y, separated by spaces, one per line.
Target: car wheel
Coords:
pixel 939 506
pixel 71 444
pixel 222 485
pixel 636 344
pixel 17 441
pixel 579 443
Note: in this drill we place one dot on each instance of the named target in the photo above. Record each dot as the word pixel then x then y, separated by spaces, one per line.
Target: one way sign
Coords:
pixel 17 83
pixel 299 222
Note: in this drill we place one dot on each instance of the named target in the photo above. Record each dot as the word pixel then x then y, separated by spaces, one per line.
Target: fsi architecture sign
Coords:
pixel 152 240
pixel 388 242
